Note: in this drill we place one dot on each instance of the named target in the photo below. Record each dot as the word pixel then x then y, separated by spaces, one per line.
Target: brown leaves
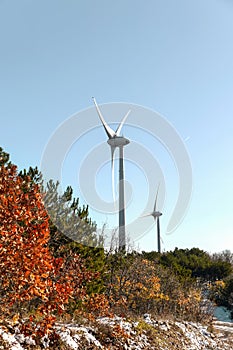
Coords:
pixel 30 276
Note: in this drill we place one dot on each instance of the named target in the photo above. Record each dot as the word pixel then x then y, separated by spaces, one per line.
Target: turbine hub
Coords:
pixel 118 141
pixel 156 214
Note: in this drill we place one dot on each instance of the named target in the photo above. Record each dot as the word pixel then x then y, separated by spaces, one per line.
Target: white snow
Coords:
pixel 195 336
pixel 65 331
pixel 10 339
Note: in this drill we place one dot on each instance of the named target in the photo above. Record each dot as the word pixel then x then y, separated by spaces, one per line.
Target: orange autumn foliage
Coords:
pixel 24 232
pixel 29 274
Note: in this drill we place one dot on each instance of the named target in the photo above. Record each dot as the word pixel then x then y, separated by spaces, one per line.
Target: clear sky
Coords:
pixel 174 57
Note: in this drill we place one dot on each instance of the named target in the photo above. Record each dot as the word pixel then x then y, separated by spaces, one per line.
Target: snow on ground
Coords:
pixel 10 339
pixel 146 333
pixel 65 332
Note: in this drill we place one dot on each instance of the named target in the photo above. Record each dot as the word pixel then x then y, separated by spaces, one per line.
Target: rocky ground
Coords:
pixel 223 329
pixel 119 333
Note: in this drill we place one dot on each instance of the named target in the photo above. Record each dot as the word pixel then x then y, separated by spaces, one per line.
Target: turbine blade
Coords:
pixel 113 173
pixel 161 239
pixel 111 133
pixel 156 198
pixel 118 130
pixel 143 216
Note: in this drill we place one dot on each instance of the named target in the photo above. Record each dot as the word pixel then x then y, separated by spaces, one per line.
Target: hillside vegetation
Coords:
pixel 47 278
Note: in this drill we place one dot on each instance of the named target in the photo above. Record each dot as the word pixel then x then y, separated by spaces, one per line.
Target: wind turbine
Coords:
pixel 115 140
pixel 156 214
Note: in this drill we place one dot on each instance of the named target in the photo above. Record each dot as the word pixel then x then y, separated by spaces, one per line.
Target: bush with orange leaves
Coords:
pixel 136 285
pixel 133 285
pixel 31 279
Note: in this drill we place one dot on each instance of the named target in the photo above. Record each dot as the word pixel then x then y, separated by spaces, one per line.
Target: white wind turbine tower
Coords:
pixel 115 140
pixel 156 214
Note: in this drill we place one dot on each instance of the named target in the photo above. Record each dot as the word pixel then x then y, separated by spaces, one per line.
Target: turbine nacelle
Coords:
pixel 118 141
pixel 156 214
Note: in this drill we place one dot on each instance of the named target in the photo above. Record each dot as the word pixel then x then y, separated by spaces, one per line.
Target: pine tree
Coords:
pixel 72 231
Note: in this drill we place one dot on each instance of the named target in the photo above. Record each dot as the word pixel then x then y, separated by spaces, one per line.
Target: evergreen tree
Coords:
pixel 72 231
pixel 4 158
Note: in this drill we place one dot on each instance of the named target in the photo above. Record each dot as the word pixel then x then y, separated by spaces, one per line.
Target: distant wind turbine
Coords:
pixel 156 214
pixel 115 140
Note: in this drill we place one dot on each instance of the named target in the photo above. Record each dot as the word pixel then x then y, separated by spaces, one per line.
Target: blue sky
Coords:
pixel 174 57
